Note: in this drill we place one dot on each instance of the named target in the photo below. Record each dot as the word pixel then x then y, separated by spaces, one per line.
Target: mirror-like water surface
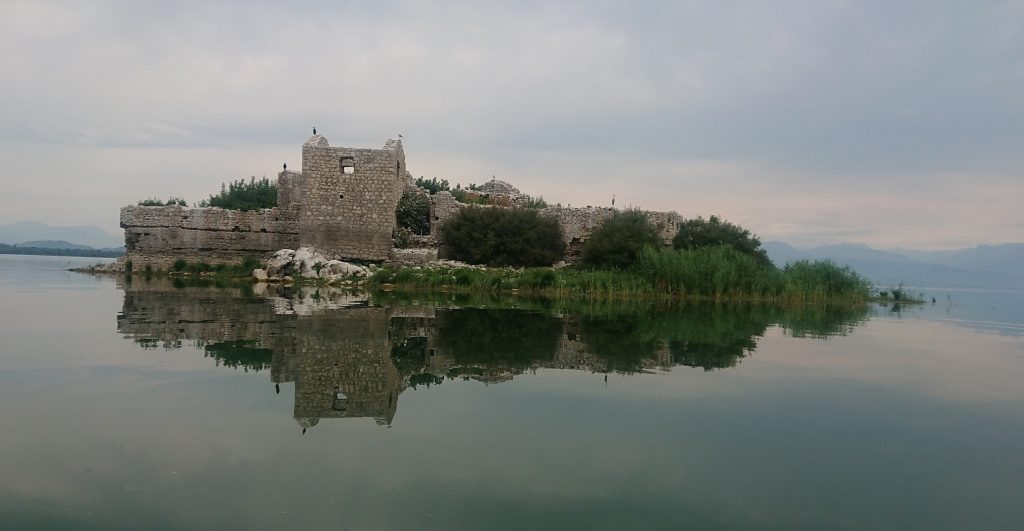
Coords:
pixel 151 405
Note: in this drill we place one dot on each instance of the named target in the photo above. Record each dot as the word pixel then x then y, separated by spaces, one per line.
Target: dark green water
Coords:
pixel 153 406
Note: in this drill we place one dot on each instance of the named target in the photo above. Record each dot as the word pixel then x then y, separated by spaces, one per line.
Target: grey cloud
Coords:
pixel 805 95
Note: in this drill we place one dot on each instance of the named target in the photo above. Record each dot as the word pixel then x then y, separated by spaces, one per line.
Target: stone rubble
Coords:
pixel 308 263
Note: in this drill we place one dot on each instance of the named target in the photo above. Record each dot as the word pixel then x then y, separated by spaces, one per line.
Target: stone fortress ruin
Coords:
pixel 342 204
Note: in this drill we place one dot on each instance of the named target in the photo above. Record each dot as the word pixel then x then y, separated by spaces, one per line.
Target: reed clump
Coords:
pixel 716 273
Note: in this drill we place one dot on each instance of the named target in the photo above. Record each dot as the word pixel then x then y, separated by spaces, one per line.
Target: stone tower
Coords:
pixel 350 197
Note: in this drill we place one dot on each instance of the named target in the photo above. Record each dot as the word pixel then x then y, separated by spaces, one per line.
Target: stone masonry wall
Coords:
pixel 442 208
pixel 157 236
pixel 291 194
pixel 351 214
pixel 577 223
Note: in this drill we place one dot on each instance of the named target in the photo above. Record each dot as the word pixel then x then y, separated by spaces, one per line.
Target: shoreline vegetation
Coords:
pixel 510 250
pixel 704 274
pixel 718 274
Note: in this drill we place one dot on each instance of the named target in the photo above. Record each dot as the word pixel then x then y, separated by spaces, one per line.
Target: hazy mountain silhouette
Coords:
pixel 33 231
pixel 985 266
pixel 53 244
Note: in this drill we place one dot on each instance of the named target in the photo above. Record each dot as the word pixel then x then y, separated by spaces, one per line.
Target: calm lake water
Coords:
pixel 147 405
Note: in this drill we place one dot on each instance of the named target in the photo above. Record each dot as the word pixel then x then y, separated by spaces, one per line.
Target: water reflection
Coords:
pixel 352 355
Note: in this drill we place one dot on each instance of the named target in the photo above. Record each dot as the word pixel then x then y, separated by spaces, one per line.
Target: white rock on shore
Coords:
pixel 306 262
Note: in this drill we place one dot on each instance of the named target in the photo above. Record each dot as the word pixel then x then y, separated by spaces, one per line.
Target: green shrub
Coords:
pixel 179 265
pixel 242 195
pixel 249 263
pixel 413 213
pixel 503 237
pixel 401 238
pixel 617 242
pixel 536 202
pixel 697 233
pixel 433 185
pixel 152 201
pixel 469 196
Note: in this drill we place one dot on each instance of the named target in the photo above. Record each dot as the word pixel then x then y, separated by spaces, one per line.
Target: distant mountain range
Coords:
pixel 54 244
pixel 24 233
pixel 985 266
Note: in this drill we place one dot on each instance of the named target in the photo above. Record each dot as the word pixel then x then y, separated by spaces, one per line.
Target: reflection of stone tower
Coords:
pixel 350 198
pixel 344 367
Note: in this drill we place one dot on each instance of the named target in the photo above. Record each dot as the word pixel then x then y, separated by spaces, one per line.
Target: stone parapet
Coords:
pixel 158 236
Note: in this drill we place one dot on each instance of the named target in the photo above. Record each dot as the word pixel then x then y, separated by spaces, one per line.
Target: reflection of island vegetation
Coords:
pixel 508 338
pixel 241 353
pixel 352 355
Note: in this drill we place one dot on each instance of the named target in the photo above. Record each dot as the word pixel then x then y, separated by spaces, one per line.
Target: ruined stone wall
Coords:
pixel 291 194
pixel 351 213
pixel 442 208
pixel 577 223
pixel 157 236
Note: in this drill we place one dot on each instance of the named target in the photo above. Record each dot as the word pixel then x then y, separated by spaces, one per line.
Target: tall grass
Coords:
pixel 713 272
pixel 719 273
pixel 823 280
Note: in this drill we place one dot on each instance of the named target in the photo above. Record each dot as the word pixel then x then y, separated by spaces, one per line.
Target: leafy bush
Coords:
pixel 469 196
pixel 697 233
pixel 401 238
pixel 617 242
pixel 242 195
pixel 413 213
pixel 433 185
pixel 503 237
pixel 152 201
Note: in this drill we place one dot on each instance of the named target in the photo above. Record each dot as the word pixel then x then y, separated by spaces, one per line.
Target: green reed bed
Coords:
pixel 717 273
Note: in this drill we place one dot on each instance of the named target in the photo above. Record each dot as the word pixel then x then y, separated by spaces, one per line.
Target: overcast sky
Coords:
pixel 890 123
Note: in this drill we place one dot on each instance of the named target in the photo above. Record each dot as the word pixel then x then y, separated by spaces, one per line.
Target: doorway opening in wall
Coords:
pixel 348 165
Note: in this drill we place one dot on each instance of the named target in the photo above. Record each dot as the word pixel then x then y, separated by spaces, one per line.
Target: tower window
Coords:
pixel 348 165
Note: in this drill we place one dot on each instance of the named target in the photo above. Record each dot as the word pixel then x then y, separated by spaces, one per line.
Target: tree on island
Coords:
pixel 617 242
pixel 503 237
pixel 242 195
pixel 413 212
pixel 698 233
